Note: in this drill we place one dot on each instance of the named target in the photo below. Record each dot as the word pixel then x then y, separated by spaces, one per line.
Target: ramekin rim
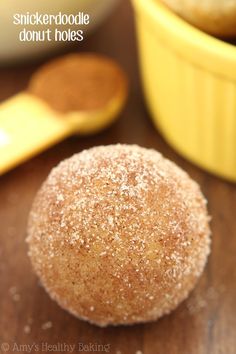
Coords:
pixel 204 41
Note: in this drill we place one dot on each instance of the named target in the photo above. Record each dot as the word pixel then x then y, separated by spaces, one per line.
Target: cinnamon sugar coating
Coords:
pixel 118 235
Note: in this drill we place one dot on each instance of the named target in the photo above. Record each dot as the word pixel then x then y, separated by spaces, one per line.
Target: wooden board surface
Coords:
pixel 205 323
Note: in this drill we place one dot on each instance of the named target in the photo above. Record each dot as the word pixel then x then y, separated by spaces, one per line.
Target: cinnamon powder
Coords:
pixel 78 82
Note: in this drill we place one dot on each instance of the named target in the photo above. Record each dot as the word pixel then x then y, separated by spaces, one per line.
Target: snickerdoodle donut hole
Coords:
pixel 118 235
pixel 216 17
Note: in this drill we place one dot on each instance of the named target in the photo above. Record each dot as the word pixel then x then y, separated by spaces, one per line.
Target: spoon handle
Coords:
pixel 27 127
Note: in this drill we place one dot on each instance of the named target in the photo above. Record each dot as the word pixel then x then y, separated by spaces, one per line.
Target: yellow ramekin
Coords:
pixel 189 81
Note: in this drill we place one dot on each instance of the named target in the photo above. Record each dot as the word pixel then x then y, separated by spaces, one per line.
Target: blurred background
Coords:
pixel 206 322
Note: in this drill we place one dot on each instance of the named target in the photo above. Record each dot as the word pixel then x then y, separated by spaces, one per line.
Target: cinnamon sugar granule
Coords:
pixel 46 325
pixel 13 291
pixel 27 329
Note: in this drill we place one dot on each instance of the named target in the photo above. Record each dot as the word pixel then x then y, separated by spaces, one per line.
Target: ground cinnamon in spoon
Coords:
pixel 79 82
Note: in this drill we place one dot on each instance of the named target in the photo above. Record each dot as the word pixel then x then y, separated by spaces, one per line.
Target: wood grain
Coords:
pixel 204 324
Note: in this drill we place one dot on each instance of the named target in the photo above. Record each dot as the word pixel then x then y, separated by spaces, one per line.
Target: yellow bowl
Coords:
pixel 189 81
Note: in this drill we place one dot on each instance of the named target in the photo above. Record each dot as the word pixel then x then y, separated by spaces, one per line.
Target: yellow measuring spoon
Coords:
pixel 77 93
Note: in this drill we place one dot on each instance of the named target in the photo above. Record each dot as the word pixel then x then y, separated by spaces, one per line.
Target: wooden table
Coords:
pixel 205 323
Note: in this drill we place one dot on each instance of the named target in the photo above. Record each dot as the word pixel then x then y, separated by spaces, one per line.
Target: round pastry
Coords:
pixel 217 17
pixel 118 235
